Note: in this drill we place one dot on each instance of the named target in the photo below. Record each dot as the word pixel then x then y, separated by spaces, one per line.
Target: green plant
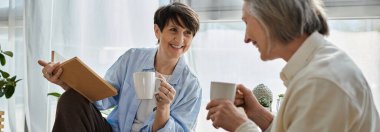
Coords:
pixel 55 94
pixel 7 83
pixel 264 101
pixel 263 95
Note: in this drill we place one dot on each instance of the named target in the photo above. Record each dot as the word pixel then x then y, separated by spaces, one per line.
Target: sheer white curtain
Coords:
pixel 11 38
pixel 97 31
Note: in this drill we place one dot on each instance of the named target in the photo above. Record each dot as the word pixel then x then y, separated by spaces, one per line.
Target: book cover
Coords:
pixel 85 81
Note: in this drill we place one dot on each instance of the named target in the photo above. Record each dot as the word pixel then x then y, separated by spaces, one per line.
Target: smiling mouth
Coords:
pixel 176 46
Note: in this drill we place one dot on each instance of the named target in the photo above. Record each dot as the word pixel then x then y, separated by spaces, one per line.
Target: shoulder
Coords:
pixel 332 70
pixel 139 51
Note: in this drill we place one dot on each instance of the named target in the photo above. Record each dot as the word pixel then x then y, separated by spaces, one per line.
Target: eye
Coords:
pixel 173 29
pixel 188 33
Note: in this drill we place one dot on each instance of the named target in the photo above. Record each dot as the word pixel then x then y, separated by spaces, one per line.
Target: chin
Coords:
pixel 266 58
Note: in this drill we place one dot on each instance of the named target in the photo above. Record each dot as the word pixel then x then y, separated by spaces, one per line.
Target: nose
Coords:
pixel 179 38
pixel 246 39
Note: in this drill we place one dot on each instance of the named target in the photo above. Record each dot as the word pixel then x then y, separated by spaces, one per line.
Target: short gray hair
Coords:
pixel 285 20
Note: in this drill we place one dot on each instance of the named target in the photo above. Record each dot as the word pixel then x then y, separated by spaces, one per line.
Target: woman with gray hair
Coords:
pixel 326 91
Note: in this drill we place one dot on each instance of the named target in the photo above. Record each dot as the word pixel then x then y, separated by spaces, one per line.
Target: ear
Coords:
pixel 157 31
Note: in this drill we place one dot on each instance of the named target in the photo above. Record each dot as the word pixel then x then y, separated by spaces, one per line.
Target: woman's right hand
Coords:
pixel 245 98
pixel 52 71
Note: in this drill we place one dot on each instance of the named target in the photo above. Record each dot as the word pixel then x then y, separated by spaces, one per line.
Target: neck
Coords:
pixel 164 65
pixel 292 47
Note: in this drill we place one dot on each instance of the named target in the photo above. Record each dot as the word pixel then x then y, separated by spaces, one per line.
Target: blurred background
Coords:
pixel 99 31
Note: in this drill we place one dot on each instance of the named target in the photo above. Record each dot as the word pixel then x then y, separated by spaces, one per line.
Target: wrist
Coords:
pixel 65 87
pixel 262 117
pixel 162 108
pixel 239 123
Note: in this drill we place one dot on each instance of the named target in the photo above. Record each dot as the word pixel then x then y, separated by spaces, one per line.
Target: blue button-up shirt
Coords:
pixel 183 110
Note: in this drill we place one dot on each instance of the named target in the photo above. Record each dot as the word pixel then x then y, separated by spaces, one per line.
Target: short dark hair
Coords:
pixel 175 12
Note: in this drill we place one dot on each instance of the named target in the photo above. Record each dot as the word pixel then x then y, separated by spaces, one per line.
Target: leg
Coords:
pixel 76 114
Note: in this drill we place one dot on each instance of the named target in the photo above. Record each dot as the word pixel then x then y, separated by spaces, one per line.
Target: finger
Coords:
pixel 158 98
pixel 54 67
pixel 167 86
pixel 239 102
pixel 215 124
pixel 46 76
pixel 243 89
pixel 171 96
pixel 161 78
pixel 211 112
pixel 57 75
pixel 163 96
pixel 42 63
pixel 213 103
pixel 163 89
pixel 239 96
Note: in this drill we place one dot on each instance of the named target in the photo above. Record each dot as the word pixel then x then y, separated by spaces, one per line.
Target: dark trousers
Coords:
pixel 76 114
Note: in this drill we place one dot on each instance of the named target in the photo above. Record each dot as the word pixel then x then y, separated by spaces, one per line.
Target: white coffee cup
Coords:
pixel 223 90
pixel 145 83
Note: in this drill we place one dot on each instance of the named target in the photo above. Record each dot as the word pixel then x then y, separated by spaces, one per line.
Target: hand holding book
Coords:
pixel 73 73
pixel 52 71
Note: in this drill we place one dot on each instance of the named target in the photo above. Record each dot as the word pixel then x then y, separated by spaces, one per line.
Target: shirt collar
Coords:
pixel 301 57
pixel 180 66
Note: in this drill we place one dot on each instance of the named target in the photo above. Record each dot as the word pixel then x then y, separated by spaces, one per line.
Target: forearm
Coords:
pixel 162 116
pixel 261 117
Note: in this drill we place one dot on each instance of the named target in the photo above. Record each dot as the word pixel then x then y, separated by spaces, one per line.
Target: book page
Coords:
pixel 56 57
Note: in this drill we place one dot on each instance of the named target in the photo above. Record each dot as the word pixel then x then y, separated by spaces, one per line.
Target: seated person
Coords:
pixel 179 94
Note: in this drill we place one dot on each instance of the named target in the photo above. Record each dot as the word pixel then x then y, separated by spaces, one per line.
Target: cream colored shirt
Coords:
pixel 326 92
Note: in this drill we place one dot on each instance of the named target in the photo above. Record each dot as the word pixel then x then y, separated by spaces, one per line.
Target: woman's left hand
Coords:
pixel 165 94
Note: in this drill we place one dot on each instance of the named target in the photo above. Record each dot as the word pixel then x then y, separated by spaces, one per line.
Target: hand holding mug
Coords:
pixel 224 114
pixel 165 94
pixel 245 98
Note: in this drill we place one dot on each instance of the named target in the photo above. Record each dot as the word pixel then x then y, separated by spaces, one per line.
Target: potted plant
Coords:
pixel 264 96
pixel 7 82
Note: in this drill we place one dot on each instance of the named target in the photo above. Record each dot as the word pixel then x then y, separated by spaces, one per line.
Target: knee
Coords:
pixel 71 99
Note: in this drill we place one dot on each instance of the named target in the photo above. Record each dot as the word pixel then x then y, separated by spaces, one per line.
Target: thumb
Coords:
pixel 42 63
pixel 243 89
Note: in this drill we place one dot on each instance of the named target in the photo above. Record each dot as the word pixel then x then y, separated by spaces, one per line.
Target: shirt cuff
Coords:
pixel 248 126
pixel 167 127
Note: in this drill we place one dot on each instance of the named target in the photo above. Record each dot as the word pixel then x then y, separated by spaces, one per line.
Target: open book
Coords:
pixel 81 78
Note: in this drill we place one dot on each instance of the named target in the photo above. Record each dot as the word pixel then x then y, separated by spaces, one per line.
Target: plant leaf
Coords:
pixel 2 59
pixel 18 80
pixel 8 53
pixel 55 94
pixel 1 92
pixel 13 78
pixel 2 83
pixel 9 90
pixel 4 74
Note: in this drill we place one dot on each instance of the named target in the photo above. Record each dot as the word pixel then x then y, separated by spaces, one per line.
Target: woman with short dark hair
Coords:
pixel 179 94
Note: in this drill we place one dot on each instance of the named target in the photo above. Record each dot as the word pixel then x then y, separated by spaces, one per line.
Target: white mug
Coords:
pixel 223 90
pixel 145 84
